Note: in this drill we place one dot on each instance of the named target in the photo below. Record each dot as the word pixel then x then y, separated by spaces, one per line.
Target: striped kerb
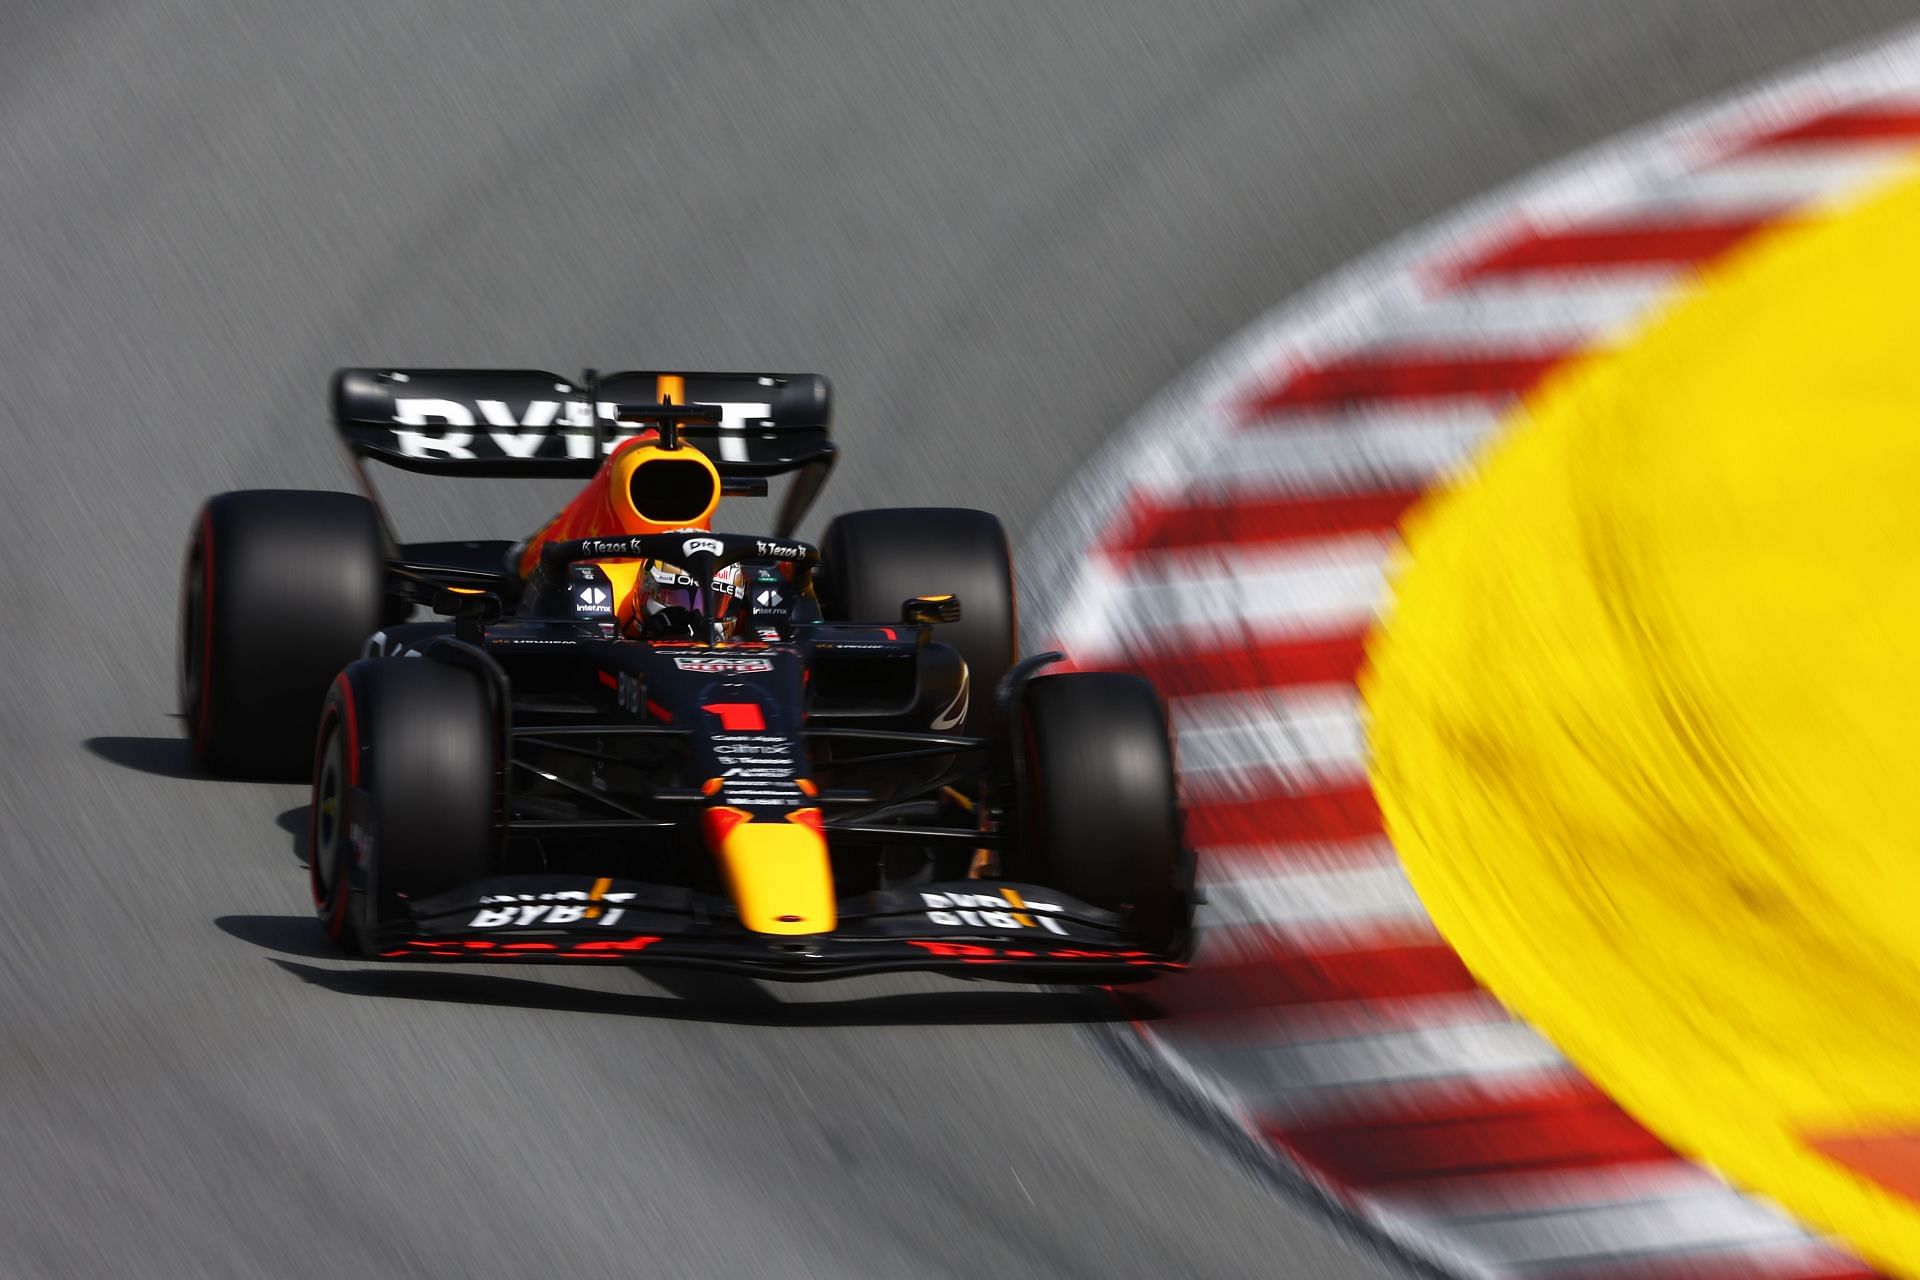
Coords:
pixel 1324 1015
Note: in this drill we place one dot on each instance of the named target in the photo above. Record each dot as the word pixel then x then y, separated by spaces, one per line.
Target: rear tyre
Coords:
pixel 874 561
pixel 405 790
pixel 282 588
pixel 1095 813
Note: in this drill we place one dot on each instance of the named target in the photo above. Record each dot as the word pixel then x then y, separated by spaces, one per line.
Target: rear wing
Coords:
pixel 527 422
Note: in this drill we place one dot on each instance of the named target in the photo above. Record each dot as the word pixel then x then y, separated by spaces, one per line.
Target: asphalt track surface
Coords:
pixel 1000 226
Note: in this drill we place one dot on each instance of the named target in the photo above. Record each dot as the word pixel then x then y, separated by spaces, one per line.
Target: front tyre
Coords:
pixel 281 589
pixel 873 561
pixel 405 794
pixel 1095 813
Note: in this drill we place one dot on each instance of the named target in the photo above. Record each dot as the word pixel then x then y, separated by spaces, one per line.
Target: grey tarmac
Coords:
pixel 999 226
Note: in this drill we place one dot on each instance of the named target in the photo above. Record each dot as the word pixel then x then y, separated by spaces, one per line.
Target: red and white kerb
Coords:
pixel 1231 545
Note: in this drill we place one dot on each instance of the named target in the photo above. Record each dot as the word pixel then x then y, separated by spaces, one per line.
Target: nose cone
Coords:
pixel 776 868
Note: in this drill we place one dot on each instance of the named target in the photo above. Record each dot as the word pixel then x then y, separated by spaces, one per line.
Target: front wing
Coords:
pixel 987 929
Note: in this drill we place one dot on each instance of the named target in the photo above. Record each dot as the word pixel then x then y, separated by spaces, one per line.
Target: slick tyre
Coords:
pixel 405 794
pixel 874 561
pixel 1095 812
pixel 281 589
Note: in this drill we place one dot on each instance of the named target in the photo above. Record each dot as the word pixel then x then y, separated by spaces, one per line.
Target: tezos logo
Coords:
pixel 694 546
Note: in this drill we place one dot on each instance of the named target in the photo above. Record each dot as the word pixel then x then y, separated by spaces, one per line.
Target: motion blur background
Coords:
pixel 999 227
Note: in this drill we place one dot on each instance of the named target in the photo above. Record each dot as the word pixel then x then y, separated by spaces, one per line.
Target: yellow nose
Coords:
pixel 778 871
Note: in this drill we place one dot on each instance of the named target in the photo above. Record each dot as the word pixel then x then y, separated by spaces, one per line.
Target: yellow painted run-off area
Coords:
pixel 1646 721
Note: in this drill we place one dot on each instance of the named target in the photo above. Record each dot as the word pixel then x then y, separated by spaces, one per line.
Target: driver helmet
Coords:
pixel 669 603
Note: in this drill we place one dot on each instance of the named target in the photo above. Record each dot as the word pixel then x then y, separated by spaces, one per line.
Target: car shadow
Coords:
pixel 173 758
pixel 691 996
pixel 170 757
pixel 289 935
pixel 294 823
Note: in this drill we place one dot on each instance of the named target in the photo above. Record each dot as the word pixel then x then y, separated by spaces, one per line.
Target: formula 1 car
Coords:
pixel 826 761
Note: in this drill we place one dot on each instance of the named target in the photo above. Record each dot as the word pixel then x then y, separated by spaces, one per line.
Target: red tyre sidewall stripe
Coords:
pixel 352 721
